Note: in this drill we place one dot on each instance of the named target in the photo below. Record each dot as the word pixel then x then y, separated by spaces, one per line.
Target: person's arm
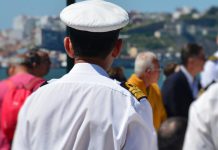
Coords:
pixel 168 95
pixel 198 134
pixel 139 137
pixel 20 140
pixel 162 111
pixel 140 130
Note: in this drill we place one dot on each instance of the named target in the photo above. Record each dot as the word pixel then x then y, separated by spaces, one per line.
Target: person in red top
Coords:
pixel 44 65
pixel 20 73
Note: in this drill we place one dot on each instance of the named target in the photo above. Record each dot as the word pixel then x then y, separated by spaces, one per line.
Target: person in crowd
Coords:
pixel 85 109
pixel 202 130
pixel 44 64
pixel 147 72
pixel 210 73
pixel 19 70
pixel 117 73
pixel 39 69
pixel 171 133
pixel 4 144
pixel 180 89
pixel 170 68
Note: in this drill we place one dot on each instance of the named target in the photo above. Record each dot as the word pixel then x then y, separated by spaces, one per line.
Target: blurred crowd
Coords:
pixel 186 84
pixel 183 85
pixel 89 107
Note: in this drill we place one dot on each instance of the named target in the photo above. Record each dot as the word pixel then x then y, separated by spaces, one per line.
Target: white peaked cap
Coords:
pixel 94 16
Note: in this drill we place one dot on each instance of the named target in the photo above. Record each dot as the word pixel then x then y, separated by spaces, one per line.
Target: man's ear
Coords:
pixel 68 47
pixel 117 49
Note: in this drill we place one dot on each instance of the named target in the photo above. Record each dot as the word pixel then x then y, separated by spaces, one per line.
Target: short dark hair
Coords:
pixel 169 69
pixel 30 59
pixel 171 133
pixel 190 50
pixel 117 73
pixel 93 44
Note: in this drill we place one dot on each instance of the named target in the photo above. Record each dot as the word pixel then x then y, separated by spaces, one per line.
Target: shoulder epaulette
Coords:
pixel 134 90
pixel 213 58
pixel 202 90
pixel 44 83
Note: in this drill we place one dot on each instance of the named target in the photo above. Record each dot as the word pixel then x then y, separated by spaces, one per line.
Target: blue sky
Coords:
pixel 10 9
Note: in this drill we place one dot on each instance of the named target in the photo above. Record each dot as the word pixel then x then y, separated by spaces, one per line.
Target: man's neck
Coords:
pixel 20 70
pixel 96 61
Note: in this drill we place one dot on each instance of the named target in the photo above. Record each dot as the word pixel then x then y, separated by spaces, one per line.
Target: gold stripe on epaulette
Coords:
pixel 213 58
pixel 134 90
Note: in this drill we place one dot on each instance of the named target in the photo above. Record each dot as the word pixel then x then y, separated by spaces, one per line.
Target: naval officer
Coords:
pixel 85 109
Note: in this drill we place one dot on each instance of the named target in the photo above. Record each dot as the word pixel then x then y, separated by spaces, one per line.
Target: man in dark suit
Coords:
pixel 181 88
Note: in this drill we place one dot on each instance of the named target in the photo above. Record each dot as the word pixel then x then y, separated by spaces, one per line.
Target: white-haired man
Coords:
pixel 147 72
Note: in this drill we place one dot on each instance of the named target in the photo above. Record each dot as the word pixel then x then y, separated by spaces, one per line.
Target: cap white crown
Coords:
pixel 94 16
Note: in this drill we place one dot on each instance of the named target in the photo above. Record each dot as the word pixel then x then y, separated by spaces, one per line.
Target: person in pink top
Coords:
pixel 20 73
pixel 44 65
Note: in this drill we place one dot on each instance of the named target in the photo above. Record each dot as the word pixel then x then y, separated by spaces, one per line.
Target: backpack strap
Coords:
pixel 10 84
pixel 134 90
pixel 29 86
pixel 32 83
pixel 44 83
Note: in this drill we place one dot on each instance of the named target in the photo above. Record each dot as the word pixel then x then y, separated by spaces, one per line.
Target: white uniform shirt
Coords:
pixel 84 110
pixel 210 72
pixel 202 131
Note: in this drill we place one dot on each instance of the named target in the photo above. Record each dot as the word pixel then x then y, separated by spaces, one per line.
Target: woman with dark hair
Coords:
pixel 20 75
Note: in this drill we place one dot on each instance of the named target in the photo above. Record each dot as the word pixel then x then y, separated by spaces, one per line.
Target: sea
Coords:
pixel 56 73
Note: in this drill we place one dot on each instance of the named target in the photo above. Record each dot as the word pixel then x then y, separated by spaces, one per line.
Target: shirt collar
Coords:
pixel 187 75
pixel 88 68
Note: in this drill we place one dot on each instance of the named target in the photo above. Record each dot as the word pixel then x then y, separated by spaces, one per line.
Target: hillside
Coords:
pixel 167 33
